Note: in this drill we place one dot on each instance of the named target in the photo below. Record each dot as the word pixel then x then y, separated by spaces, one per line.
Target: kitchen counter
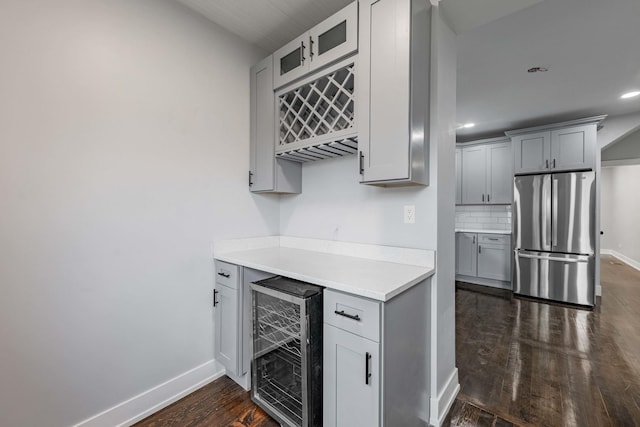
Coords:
pixel 376 272
pixel 485 231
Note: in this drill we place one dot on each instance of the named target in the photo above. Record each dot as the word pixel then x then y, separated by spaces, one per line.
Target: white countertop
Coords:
pixel 485 231
pixel 372 278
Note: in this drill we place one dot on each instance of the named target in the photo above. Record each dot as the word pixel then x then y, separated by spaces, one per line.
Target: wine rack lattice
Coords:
pixel 316 110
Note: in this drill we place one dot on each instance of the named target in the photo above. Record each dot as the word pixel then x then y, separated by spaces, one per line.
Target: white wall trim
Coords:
pixel 629 261
pixel 146 403
pixel 440 406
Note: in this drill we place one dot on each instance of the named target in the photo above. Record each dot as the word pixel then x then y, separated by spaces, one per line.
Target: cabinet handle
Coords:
pixel 310 48
pixel 474 240
pixel 350 316
pixel 367 373
pixel 488 198
pixel 361 163
pixel 493 238
pixel 224 275
pixel 553 164
pixel 479 249
pixel 483 198
pixel 301 53
pixel 546 164
pixel 215 300
pixel 250 175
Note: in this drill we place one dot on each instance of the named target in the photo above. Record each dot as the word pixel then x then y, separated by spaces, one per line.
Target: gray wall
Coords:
pixel 620 206
pixel 626 149
pixel 124 129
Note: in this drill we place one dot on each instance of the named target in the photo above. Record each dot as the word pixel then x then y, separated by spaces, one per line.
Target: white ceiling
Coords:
pixel 591 48
pixel 592 51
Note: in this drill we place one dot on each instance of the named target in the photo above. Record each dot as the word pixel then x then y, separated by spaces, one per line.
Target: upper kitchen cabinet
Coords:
pixel 267 174
pixel 332 39
pixel 393 92
pixel 559 147
pixel 487 172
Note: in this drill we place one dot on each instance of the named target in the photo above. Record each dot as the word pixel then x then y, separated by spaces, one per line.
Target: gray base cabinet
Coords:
pixel 351 366
pixel 227 302
pixel 376 359
pixel 484 259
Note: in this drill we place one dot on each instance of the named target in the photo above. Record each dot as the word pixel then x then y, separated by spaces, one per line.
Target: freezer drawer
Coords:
pixel 553 276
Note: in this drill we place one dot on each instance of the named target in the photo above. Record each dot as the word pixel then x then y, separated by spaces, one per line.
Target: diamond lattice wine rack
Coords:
pixel 317 118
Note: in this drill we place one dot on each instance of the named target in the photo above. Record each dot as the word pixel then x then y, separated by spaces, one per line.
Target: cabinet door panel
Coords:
pixel 226 338
pixel 532 152
pixel 573 148
pixel 499 174
pixel 466 257
pixel 458 176
pixel 262 145
pixel 347 399
pixel 335 37
pixel 384 89
pixel 494 262
pixel 474 172
pixel 291 61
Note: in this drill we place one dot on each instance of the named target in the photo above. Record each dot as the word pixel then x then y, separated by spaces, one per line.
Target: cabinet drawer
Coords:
pixel 227 274
pixel 353 314
pixel 495 239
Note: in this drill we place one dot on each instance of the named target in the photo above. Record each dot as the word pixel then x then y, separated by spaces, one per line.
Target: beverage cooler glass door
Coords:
pixel 532 212
pixel 279 377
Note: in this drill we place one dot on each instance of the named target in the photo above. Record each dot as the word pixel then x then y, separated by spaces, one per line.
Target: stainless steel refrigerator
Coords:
pixel 554 237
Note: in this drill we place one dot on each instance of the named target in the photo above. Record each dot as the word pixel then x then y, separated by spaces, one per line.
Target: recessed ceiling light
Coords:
pixel 468 125
pixel 630 94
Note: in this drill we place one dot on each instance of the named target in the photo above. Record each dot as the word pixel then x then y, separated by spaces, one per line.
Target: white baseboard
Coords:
pixel 146 403
pixel 629 261
pixel 440 406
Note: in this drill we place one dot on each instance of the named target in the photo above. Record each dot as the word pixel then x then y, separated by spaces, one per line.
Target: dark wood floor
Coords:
pixel 520 363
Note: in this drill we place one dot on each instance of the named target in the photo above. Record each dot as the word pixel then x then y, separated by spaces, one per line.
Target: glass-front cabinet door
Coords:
pixel 335 37
pixel 291 61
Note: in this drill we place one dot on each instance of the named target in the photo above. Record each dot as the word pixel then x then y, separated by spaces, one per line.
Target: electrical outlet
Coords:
pixel 409 214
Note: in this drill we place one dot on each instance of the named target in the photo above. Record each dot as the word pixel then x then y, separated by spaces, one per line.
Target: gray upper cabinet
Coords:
pixel 532 152
pixel 558 147
pixel 474 172
pixel 393 92
pixel 573 148
pixel 458 176
pixel 487 173
pixel 267 174
pixel 332 39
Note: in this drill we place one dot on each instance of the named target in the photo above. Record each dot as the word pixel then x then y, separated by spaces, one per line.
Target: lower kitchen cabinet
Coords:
pixel 484 259
pixel 351 394
pixel 227 327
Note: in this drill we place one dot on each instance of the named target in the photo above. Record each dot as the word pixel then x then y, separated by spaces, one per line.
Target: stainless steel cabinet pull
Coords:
pixel 301 53
pixel 310 48
pixel 483 197
pixel 488 197
pixel 361 163
pixel 250 175
pixel 224 275
pixel 350 316
pixel 546 164
pixel 367 372
pixel 493 238
pixel 215 300
pixel 474 240
pixel 479 249
pixel 553 164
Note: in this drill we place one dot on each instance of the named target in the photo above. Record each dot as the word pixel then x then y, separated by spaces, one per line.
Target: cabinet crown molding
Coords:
pixel 595 119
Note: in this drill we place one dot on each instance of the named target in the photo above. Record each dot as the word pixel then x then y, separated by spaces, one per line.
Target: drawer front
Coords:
pixel 353 314
pixel 227 274
pixel 495 239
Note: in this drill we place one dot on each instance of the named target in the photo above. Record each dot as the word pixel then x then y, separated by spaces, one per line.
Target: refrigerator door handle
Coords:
pixel 554 209
pixel 546 213
pixel 551 258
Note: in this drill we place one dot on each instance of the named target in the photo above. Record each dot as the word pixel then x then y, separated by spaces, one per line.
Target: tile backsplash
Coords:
pixel 484 217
